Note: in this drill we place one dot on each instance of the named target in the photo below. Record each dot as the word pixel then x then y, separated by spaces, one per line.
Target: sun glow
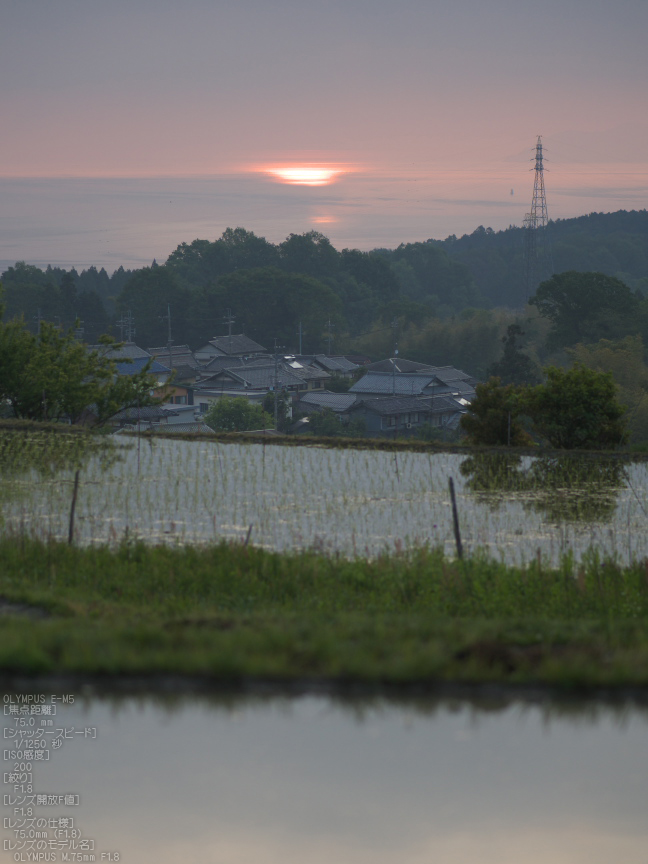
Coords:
pixel 305 175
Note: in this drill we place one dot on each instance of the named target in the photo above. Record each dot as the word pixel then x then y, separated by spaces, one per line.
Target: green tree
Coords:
pixel 586 307
pixel 237 414
pixel 53 376
pixel 270 304
pixel 514 367
pixel 624 360
pixel 577 409
pixel 283 409
pixel 338 383
pixel 148 294
pixel 493 416
pixel 326 424
pixel 310 253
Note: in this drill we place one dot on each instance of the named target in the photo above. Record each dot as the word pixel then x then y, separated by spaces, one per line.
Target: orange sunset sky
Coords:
pixel 134 125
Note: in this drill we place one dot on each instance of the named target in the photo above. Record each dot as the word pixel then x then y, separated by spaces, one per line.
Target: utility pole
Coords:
pixel 229 320
pixel 276 383
pixel 125 323
pixel 38 318
pixel 394 326
pixel 537 251
pixel 330 327
pixel 299 333
pixel 167 318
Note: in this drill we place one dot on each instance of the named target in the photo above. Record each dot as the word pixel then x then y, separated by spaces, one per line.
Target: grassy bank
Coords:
pixel 228 612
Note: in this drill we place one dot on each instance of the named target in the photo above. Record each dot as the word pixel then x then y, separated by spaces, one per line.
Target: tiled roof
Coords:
pixel 184 373
pixel 139 363
pixel 198 428
pixel 128 349
pixel 335 364
pixel 407 404
pixel 144 414
pixel 449 374
pixel 308 373
pixel 394 405
pixel 444 404
pixel 401 364
pixel 217 364
pixel 236 344
pixel 256 377
pixel 181 355
pixel 401 385
pixel 324 399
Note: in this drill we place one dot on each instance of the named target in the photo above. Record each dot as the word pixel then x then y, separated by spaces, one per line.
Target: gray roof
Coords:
pixel 401 365
pixel 307 373
pixel 137 364
pixel 451 374
pixel 145 414
pixel 197 428
pixel 401 385
pixel 335 364
pixel 221 361
pixel 406 404
pixel 181 355
pixel 236 344
pixel 416 383
pixel 184 373
pixel 324 399
pixel 394 405
pixel 443 404
pixel 255 377
pixel 128 350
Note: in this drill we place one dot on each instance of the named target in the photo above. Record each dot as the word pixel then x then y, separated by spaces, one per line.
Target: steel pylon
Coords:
pixel 538 264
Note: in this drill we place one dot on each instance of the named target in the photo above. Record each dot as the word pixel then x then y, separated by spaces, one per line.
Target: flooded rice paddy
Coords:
pixel 264 781
pixel 348 502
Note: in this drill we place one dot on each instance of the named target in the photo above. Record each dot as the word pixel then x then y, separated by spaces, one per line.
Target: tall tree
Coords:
pixel 53 376
pixel 586 307
pixel 493 416
pixel 147 295
pixel 514 367
pixel 577 409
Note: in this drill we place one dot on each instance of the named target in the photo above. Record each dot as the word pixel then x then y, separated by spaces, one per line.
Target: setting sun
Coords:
pixel 305 175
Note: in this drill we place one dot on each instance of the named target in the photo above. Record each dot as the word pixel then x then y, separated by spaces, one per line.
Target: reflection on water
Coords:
pixel 562 488
pixel 312 779
pixel 33 456
pixel 346 502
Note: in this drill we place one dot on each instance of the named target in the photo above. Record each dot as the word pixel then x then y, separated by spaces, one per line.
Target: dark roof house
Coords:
pixel 176 355
pixel 404 415
pixel 125 350
pixel 237 345
pixel 311 402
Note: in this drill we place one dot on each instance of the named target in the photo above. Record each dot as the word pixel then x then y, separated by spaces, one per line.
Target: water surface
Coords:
pixel 264 781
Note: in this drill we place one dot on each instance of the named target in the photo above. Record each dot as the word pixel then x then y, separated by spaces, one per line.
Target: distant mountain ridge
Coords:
pixel 611 243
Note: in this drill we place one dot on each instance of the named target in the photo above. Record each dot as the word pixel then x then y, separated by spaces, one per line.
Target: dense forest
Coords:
pixel 453 300
pixel 612 243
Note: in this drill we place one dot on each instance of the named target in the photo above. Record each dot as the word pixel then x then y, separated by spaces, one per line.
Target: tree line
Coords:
pixel 419 297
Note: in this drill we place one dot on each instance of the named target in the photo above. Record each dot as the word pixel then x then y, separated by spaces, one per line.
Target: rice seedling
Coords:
pixel 348 501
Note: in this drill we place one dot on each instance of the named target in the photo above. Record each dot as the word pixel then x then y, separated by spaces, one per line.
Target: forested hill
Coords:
pixel 305 285
pixel 611 243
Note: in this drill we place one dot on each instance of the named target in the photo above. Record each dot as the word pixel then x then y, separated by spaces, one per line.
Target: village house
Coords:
pixel 237 345
pixel 405 415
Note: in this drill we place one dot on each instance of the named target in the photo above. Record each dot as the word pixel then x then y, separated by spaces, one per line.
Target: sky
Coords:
pixel 135 125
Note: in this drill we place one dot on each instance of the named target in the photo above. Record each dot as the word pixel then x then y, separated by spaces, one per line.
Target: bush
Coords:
pixel 237 414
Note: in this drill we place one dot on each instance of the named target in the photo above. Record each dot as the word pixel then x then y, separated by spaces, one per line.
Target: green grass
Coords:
pixel 229 612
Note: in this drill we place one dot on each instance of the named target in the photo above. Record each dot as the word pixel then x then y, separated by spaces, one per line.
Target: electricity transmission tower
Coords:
pixel 538 264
